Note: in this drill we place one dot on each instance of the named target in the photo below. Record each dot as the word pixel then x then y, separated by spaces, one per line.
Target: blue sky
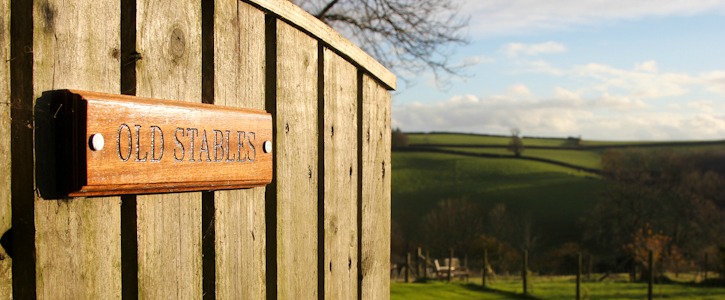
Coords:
pixel 605 70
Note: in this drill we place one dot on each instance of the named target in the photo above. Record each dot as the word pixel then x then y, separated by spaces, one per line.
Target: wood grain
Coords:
pixel 169 225
pixel 6 279
pixel 375 235
pixel 341 175
pixel 75 46
pixel 296 164
pixel 239 217
pixel 167 144
pixel 295 15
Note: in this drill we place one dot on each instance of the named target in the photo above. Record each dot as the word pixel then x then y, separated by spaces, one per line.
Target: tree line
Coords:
pixel 670 202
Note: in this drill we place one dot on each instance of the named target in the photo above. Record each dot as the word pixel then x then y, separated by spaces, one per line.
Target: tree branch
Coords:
pixel 323 12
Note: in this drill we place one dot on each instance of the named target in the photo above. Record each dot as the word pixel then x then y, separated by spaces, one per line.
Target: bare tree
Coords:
pixel 455 223
pixel 407 36
pixel 516 145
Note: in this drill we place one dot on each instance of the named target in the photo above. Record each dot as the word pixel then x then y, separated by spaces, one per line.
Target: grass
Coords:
pixel 585 158
pixel 454 138
pixel 555 196
pixel 559 287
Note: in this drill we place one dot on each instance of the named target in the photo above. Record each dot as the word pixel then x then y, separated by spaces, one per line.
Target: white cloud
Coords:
pixel 644 82
pixel 622 103
pixel 647 66
pixel 542 117
pixel 715 81
pixel 519 89
pixel 516 49
pixel 540 66
pixel 477 60
pixel 495 17
pixel 607 103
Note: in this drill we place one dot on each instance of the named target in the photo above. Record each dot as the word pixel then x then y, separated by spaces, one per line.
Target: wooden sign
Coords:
pixel 117 144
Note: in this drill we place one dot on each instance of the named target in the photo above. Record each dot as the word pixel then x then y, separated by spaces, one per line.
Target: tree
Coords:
pixel 516 145
pixel 455 223
pixel 674 194
pixel 645 240
pixel 398 139
pixel 407 36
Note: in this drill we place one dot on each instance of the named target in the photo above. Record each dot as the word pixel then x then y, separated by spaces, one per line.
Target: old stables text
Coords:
pixel 189 144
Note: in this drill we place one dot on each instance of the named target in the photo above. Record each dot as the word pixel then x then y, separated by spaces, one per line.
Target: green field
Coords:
pixel 569 153
pixel 585 158
pixel 554 196
pixel 476 139
pixel 471 139
pixel 549 288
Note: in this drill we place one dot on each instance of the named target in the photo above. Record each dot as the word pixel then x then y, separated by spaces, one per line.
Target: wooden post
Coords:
pixel 589 268
pixel 374 190
pixel 651 274
pixel 425 265
pixel 525 271
pixel 418 254
pixel 579 276
pixel 450 264
pixel 705 268
pixel 239 215
pixel 407 267
pixel 6 279
pixel 484 271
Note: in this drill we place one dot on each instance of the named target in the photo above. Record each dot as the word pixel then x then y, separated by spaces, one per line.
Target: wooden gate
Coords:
pixel 321 229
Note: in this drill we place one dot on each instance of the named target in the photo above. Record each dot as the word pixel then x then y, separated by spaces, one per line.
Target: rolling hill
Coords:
pixel 555 182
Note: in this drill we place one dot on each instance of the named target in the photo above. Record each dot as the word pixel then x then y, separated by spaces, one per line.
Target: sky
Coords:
pixel 595 69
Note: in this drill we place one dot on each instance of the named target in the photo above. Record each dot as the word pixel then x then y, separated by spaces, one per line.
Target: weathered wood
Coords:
pixel 239 217
pixel 169 225
pixel 76 46
pixel 296 164
pixel 295 15
pixel 341 177
pixel 327 209
pixel 6 280
pixel 375 235
pixel 170 145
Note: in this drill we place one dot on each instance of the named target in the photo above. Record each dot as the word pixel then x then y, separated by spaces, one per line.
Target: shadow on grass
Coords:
pixel 710 283
pixel 506 294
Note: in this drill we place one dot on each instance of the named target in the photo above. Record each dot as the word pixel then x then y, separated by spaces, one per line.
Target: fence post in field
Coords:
pixel 425 266
pixel 450 264
pixel 589 268
pixel 525 271
pixel 579 276
pixel 484 271
pixel 418 254
pixel 651 274
pixel 705 268
pixel 407 267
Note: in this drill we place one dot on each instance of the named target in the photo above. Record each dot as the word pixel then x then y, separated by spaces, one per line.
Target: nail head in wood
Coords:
pixel 97 142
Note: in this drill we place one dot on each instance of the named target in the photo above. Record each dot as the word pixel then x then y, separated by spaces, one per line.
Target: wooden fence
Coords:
pixel 320 230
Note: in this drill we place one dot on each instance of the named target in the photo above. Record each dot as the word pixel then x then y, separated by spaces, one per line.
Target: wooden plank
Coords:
pixel 296 164
pixel 144 145
pixel 75 45
pixel 295 15
pixel 6 279
pixel 375 235
pixel 239 218
pixel 169 225
pixel 340 176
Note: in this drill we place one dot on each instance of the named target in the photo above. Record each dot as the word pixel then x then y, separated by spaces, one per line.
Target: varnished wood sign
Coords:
pixel 117 144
